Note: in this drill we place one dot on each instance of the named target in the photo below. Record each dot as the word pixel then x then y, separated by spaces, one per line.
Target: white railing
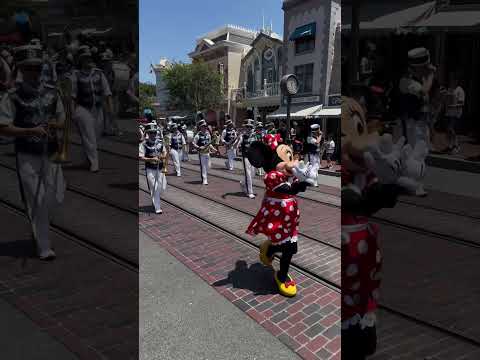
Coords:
pixel 269 89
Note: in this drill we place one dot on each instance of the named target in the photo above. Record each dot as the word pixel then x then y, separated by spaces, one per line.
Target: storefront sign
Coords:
pixel 302 100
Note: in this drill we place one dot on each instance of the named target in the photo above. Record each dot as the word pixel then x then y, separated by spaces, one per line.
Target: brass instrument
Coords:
pixel 166 144
pixel 65 94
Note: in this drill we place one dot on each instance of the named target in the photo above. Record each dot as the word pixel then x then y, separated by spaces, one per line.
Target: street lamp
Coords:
pixel 289 87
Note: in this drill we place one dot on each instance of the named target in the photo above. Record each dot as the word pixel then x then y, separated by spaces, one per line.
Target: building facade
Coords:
pixel 260 73
pixel 163 97
pixel 311 40
pixel 223 49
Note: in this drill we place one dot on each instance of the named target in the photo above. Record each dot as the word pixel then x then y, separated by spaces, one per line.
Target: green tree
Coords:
pixel 193 87
pixel 146 96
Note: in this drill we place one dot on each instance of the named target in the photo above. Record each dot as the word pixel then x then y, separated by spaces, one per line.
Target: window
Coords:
pixel 304 45
pixel 304 74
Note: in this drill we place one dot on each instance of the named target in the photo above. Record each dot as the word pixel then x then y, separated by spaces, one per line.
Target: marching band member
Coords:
pixel 314 145
pixel 229 137
pixel 271 128
pixel 247 138
pixel 89 87
pixel 32 113
pixel 152 151
pixel 260 133
pixel 177 143
pixel 203 143
pixel 186 149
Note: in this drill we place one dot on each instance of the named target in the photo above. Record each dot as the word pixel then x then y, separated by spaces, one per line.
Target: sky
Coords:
pixel 169 28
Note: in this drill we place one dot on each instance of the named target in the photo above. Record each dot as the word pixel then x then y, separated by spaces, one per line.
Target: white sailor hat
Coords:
pixel 371 46
pixel 35 42
pixel 202 123
pixel 84 51
pixel 228 122
pixel 259 124
pixel 249 123
pixel 107 55
pixel 151 127
pixel 315 127
pixel 28 55
pixel 419 57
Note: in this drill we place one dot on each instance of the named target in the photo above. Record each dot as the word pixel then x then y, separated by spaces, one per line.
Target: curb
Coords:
pixel 455 164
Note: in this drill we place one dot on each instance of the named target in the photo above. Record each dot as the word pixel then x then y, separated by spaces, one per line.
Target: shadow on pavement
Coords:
pixel 147 209
pixel 18 249
pixel 196 182
pixel 256 278
pixel 237 194
pixel 128 186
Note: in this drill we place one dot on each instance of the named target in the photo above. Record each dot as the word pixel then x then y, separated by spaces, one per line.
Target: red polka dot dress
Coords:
pixel 278 218
pixel 361 266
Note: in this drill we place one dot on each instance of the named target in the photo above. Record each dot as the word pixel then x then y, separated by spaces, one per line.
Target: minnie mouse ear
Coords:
pixel 259 154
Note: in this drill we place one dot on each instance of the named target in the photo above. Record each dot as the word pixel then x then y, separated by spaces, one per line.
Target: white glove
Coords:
pixel 305 172
pixel 384 159
pixel 413 166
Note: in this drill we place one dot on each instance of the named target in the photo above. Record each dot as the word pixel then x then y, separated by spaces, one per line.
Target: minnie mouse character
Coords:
pixel 278 218
pixel 375 171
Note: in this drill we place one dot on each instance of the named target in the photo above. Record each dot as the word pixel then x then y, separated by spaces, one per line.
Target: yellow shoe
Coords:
pixel 288 288
pixel 263 253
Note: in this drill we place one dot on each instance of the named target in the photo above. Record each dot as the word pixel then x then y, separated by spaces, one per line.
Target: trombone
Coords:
pixel 166 144
pixel 61 156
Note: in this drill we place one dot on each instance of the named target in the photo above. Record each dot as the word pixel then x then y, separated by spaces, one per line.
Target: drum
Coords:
pixel 121 76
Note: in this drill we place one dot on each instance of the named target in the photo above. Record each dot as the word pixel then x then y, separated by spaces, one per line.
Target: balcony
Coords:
pixel 269 94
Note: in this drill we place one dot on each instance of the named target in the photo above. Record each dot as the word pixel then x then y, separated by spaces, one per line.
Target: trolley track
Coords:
pixel 326 282
pixel 80 191
pixel 326 203
pixel 80 240
pixel 326 243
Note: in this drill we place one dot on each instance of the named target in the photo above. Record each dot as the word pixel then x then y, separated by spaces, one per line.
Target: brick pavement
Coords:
pixel 318 221
pixel 218 164
pixel 331 195
pixel 438 273
pixel 399 338
pixel 82 299
pixel 320 259
pixel 308 323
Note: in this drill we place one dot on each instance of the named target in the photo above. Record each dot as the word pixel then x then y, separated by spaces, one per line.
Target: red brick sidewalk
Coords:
pixel 82 299
pixel 318 221
pixel 309 323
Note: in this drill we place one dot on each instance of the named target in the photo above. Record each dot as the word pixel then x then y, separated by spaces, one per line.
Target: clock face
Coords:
pixel 292 85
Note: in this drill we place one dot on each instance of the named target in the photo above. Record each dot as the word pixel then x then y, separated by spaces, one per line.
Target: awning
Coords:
pixel 296 112
pixel 327 112
pixel 406 17
pixel 446 19
pixel 304 31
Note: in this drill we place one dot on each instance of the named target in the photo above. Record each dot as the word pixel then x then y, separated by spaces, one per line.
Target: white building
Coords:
pixel 311 33
pixel 223 49
pixel 161 106
pixel 260 73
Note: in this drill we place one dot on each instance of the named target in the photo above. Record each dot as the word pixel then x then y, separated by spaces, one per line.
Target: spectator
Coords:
pixel 454 111
pixel 330 150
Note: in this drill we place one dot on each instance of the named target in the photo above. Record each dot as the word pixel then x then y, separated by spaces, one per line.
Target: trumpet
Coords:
pixel 62 154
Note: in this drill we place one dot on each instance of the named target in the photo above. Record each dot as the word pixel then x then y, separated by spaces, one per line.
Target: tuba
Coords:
pixel 64 89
